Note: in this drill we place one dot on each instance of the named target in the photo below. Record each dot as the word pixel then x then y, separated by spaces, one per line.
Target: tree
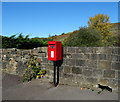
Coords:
pixel 84 37
pixel 101 23
pixel 22 42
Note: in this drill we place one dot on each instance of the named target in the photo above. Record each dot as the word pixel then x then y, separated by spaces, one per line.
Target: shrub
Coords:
pixel 84 37
pixel 33 70
pixel 23 42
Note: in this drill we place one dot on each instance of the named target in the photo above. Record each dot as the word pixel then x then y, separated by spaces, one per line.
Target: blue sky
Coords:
pixel 39 19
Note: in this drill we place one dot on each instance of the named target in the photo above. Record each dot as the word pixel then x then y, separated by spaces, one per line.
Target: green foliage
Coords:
pixel 101 23
pixel 63 43
pixel 33 70
pixel 22 42
pixel 113 41
pixel 98 33
pixel 84 37
pixel 7 42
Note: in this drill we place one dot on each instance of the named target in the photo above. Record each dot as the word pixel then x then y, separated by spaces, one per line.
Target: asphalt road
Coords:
pixel 14 89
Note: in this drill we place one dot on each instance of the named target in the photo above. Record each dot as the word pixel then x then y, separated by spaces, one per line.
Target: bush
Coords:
pixel 84 37
pixel 33 70
pixel 22 42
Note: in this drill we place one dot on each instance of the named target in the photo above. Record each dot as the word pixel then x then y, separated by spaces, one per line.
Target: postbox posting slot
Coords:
pixel 52 45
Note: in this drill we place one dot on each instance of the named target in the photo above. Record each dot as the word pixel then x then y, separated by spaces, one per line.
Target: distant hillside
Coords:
pixel 62 37
pixel 115 29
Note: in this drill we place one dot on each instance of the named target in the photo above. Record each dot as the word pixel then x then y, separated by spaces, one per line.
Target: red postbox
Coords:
pixel 54 50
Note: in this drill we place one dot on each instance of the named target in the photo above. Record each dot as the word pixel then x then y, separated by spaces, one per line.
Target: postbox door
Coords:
pixel 52 52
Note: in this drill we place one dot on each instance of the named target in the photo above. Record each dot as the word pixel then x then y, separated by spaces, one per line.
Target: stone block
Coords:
pixel 118 75
pixel 61 73
pixel 76 56
pixel 80 63
pixel 17 58
pixel 94 50
pixel 61 69
pixel 4 51
pixel 116 50
pixel 21 66
pixel 64 61
pixel 19 52
pixel 97 73
pixel 35 52
pixel 115 58
pixel 94 57
pixel 44 60
pixel 49 67
pixel 67 69
pixel 119 86
pixel 64 50
pixel 103 81
pixel 0 65
pixel 76 70
pixel 38 59
pixel 102 56
pixel 26 56
pixel 67 55
pixel 70 62
pixel 103 50
pixel 92 80
pixel 87 72
pixel 92 64
pixel 6 57
pixel 24 60
pixel 104 65
pixel 79 79
pixel 8 51
pixel 27 52
pixel 116 65
pixel 80 50
pixel 41 49
pixel 0 58
pixel 41 54
pixel 12 69
pixel 89 50
pixel 81 56
pixel 14 52
pixel 109 74
pixel 113 83
pixel 85 50
pixel 44 49
pixel 71 50
pixel 87 56
pixel 69 77
pixel 109 57
pixel 4 63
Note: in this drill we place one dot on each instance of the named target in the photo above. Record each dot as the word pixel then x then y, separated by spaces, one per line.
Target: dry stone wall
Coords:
pixel 82 66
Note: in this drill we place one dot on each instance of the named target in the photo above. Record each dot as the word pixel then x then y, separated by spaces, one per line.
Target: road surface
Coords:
pixel 14 89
